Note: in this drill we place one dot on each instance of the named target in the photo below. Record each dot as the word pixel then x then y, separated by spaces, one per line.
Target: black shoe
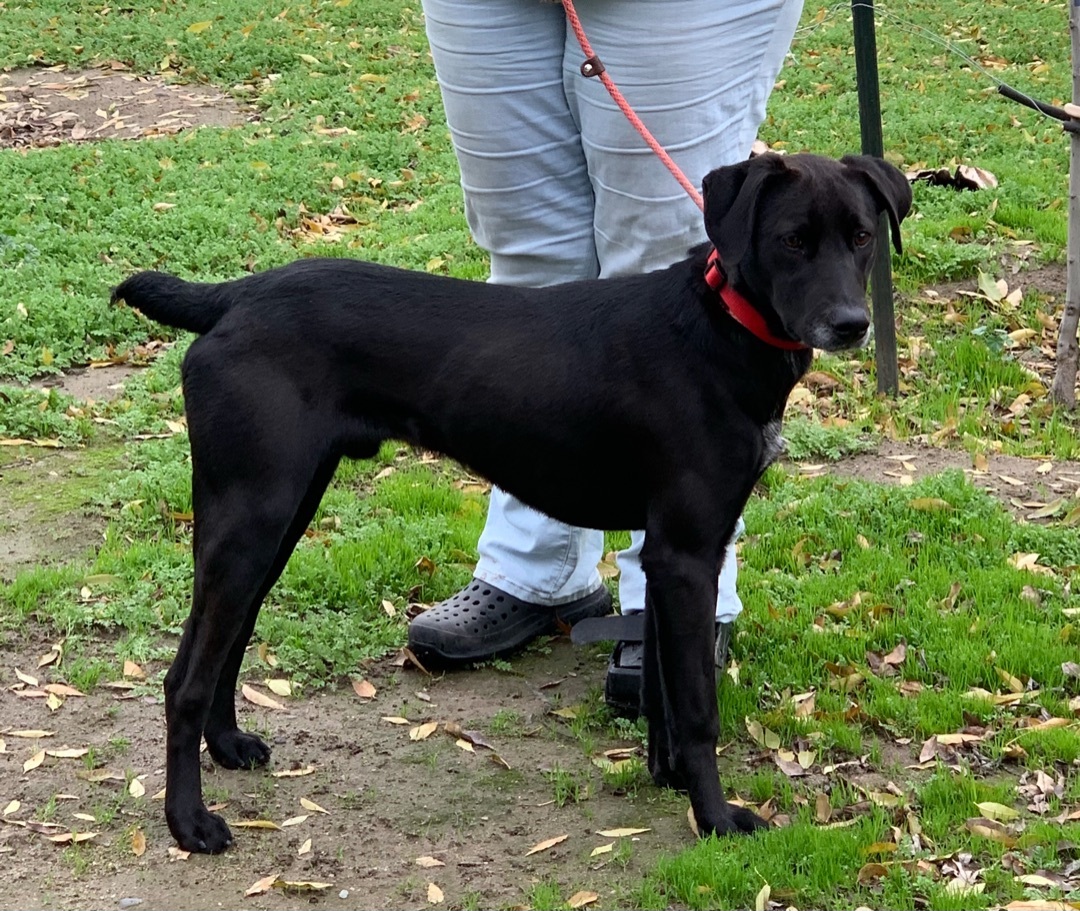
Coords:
pixel 622 686
pixel 482 622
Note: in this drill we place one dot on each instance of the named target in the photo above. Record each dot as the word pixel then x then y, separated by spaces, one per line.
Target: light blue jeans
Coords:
pixel 558 186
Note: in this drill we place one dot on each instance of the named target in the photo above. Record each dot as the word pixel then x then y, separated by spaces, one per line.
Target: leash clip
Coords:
pixel 592 66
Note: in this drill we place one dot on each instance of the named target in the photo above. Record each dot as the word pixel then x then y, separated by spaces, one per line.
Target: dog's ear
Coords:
pixel 889 187
pixel 731 194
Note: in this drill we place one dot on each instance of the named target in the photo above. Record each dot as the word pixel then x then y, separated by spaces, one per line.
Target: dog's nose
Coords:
pixel 851 327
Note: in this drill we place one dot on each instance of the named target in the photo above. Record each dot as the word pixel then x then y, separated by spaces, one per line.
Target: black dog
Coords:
pixel 626 403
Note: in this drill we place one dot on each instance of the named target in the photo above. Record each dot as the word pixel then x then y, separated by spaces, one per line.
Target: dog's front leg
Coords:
pixel 679 697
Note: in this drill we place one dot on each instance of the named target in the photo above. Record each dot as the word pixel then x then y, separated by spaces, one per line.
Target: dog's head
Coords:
pixel 798 233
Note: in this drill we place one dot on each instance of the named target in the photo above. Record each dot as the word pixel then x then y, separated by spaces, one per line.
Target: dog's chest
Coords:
pixel 773 444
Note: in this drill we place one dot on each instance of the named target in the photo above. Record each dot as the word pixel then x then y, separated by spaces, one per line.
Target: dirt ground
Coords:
pixel 377 800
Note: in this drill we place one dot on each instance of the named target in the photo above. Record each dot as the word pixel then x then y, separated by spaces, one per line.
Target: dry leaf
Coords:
pixel 311 805
pixel 761 903
pixel 301 886
pixel 547 843
pixel 263 885
pixel 71 838
pixel 279 687
pixel 396 719
pixel 253 696
pixel 34 761
pixel 622 833
pixel 256 824
pixel 997 811
pixel 581 899
pixel 136 788
pixel 426 861
pixel 602 849
pixel 138 843
pixel 293 773
pixel 131 669
pixel 76 753
pixel 11 808
pixel 423 731
pixel 364 689
pixel 305 848
pixel 26 678
pixel 434 894
pixel 32 735
pixel 295 820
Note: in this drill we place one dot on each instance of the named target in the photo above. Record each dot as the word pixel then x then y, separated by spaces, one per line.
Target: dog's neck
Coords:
pixel 740 309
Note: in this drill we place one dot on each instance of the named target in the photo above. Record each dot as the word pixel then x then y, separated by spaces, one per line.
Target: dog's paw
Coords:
pixel 200 831
pixel 236 750
pixel 733 821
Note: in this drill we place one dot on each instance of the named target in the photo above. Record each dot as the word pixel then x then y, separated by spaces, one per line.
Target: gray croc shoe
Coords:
pixel 482 622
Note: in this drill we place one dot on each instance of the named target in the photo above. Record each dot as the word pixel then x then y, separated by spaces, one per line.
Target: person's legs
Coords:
pixel 529 203
pixel 701 91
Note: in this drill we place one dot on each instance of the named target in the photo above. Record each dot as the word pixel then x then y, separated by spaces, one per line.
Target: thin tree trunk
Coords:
pixel 1063 389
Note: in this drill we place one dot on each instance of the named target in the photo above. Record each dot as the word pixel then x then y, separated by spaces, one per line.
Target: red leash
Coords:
pixel 593 67
pixel 741 310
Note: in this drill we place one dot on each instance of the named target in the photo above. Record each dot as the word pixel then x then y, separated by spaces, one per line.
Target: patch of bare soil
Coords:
pixel 52 105
pixel 90 384
pixel 386 800
pixel 1025 486
pixel 31 534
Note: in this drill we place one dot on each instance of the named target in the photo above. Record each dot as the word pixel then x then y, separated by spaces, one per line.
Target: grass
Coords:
pixel 836 575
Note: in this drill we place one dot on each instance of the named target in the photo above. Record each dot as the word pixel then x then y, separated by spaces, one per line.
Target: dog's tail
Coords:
pixel 173 301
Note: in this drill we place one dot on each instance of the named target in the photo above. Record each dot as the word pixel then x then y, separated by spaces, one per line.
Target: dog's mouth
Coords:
pixel 839 337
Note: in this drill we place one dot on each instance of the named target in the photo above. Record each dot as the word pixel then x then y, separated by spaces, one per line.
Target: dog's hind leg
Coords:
pixel 245 503
pixel 230 747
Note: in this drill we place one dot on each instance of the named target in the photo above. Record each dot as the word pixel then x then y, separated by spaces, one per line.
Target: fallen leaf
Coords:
pixel 253 696
pixel 762 736
pixel 26 678
pixel 423 731
pixel 295 820
pixel 138 843
pixel 581 899
pixel 293 773
pixel 426 861
pixel 364 689
pixel 761 902
pixel 76 753
pixel 622 833
pixel 997 811
pixel 305 848
pixel 279 687
pixel 256 824
pixel 300 886
pixel 32 735
pixel 434 894
pixel 602 849
pixel 34 761
pixel 311 805
pixel 396 719
pixel 71 838
pixel 136 788
pixel 546 844
pixel 131 669
pixel 263 885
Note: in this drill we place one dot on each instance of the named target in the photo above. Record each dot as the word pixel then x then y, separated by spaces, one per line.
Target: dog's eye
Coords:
pixel 792 241
pixel 862 238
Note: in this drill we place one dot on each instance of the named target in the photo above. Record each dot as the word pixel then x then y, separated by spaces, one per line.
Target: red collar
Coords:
pixel 741 310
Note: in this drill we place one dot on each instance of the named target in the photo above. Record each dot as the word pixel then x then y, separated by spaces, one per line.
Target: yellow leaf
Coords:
pixel 196 27
pixel 263 885
pixel 546 844
pixel 581 899
pixel 256 824
pixel 12 807
pixel 622 833
pixel 76 753
pixel 305 848
pixel 602 849
pixel 762 900
pixel 32 735
pixel 424 731
pixel 434 894
pixel 253 696
pixel 136 788
pixel 69 838
pixel 34 761
pixel 26 678
pixel 131 669
pixel 997 811
pixel 307 58
pixel 295 820
pixel 311 805
pixel 138 843
pixel 279 687
pixel 395 719
pixel 428 862
pixel 930 504
pixel 293 773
